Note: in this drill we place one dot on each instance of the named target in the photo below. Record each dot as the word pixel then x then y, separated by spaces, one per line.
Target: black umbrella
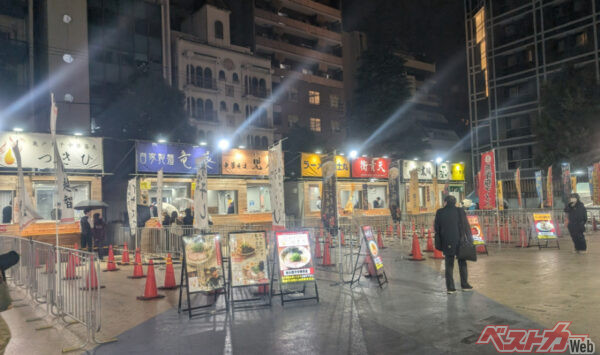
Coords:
pixel 90 204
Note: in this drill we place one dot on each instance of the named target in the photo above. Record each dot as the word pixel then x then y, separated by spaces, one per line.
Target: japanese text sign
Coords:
pixel 311 165
pixel 245 162
pixel 458 172
pixel 425 169
pixel 544 226
pixel 370 168
pixel 487 182
pixel 77 153
pixel 172 158
pixel 295 259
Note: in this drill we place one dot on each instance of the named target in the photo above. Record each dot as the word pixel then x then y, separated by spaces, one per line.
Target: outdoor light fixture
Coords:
pixel 364 155
pixel 202 143
pixel 241 146
pixel 67 58
pixel 342 154
pixel 578 172
pixel 69 98
pixel 78 134
pixel 66 19
pixel 317 151
pixel 223 144
pixel 438 160
pixel 353 154
pixel 162 140
pixel 18 129
pixel 385 157
pixel 415 158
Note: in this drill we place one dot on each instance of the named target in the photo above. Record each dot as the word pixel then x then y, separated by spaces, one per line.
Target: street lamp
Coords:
pixel 202 143
pixel 162 140
pixel 438 160
pixel 223 144
pixel 318 151
pixel 78 134
pixel 18 129
pixel 353 154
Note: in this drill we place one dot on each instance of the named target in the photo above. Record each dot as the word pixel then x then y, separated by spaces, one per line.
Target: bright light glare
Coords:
pixel 162 140
pixel 78 134
pixel 223 144
pixel 317 151
pixel 202 143
pixel 415 158
pixel 438 160
pixel 353 154
pixel 18 129
pixel 241 146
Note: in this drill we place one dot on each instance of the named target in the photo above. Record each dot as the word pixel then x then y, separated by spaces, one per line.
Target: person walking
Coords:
pixel 451 225
pixel 99 232
pixel 577 214
pixel 86 230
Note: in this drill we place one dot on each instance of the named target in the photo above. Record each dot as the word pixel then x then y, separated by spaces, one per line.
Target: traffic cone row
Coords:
pixel 77 261
pixel 318 253
pixel 327 254
pixel 71 271
pixel 138 271
pixel 342 238
pixel 437 254
pixel 523 243
pixel 110 264
pixel 390 231
pixel 125 256
pixel 91 279
pixel 380 240
pixel 169 275
pixel 416 249
pixel 150 291
pixel 429 248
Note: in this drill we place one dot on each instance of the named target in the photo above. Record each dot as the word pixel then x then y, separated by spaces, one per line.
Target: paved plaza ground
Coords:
pixel 523 288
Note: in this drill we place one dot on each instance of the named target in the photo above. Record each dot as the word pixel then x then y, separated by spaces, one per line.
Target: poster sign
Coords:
pixel 476 230
pixel 544 226
pixel 549 189
pixel 413 200
pixel 203 263
pixel 458 172
pixel 132 205
pixel 245 162
pixel 394 192
pixel 77 153
pixel 370 168
pixel 276 182
pixel 248 258
pixel 518 186
pixel 329 211
pixel 566 181
pixel 172 158
pixel 372 247
pixel 487 182
pixel 539 188
pixel 311 166
pixel 425 169
pixel 201 194
pixel 443 171
pixel 295 259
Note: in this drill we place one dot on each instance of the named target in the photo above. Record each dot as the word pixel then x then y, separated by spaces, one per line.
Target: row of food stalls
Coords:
pixel 84 162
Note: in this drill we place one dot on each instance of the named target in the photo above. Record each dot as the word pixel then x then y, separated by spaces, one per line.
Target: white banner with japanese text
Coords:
pixel 159 193
pixel 132 205
pixel 25 209
pixel 64 201
pixel 201 194
pixel 276 181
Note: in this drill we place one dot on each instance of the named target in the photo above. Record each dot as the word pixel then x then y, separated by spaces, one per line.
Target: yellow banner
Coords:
pixel 573 184
pixel 542 217
pixel 500 197
pixel 458 171
pixel 145 184
pixel 311 165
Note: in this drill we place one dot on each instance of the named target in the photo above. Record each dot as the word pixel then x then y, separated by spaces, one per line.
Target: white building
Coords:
pixel 226 86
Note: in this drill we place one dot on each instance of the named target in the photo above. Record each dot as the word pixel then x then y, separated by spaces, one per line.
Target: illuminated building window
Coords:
pixel 581 39
pixel 315 124
pixel 480 39
pixel 334 101
pixel 314 97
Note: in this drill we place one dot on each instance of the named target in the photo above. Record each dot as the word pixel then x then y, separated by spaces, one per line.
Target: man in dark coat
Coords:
pixel 86 230
pixel 577 218
pixel 7 213
pixel 451 225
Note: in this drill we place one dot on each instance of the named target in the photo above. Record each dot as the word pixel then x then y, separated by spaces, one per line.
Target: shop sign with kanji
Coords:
pixel 172 158
pixel 370 168
pixel 245 162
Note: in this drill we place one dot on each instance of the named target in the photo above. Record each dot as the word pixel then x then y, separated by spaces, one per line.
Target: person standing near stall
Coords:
pixel 99 232
pixel 86 230
pixel 577 218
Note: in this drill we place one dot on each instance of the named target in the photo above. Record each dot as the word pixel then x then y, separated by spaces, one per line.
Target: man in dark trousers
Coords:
pixel 86 230
pixel 451 225
pixel 7 213
pixel 577 219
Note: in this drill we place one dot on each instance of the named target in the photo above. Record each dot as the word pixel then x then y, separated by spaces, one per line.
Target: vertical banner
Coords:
pixel 436 195
pixel 518 186
pixel 329 211
pixel 201 194
pixel 26 211
pixel 159 193
pixel 64 193
pixel 539 187
pixel 394 191
pixel 549 189
pixel 132 205
pixel 573 183
pixel 487 182
pixel 500 196
pixel 590 172
pixel 276 182
pixel 566 181
pixel 597 182
pixel 413 188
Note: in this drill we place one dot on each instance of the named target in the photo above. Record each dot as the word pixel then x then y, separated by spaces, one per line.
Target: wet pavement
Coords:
pixel 524 288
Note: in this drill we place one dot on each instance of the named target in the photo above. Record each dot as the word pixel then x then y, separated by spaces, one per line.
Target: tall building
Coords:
pixel 512 48
pixel 302 39
pixel 225 85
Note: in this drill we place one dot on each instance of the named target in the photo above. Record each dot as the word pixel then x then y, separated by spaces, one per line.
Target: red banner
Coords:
pixel 370 168
pixel 487 181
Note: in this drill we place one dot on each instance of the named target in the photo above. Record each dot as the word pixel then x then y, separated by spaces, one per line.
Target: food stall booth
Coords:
pixel 84 165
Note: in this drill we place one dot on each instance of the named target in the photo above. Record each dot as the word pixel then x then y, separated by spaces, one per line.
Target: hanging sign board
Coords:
pixel 311 165
pixel 295 259
pixel 544 226
pixel 248 258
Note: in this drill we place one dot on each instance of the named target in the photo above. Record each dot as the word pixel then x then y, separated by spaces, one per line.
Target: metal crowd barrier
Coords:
pixel 69 288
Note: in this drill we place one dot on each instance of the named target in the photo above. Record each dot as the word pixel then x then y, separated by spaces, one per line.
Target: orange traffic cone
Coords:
pixel 150 292
pixel 437 254
pixel 125 255
pixel 429 247
pixel 380 240
pixel 390 231
pixel 91 279
pixel 77 261
pixel 342 238
pixel 318 253
pixel 522 239
pixel 138 271
pixel 169 276
pixel 327 255
pixel 71 272
pixel 110 265
pixel 557 224
pixel 416 249
pixel 480 249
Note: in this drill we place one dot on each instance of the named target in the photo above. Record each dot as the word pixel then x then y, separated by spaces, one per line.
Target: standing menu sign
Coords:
pixel 203 263
pixel 295 259
pixel 476 230
pixel 544 226
pixel 372 247
pixel 248 258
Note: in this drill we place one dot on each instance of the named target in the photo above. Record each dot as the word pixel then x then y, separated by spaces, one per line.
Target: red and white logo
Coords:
pixel 556 340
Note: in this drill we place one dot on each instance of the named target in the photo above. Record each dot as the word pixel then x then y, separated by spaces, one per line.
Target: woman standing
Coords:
pixel 577 219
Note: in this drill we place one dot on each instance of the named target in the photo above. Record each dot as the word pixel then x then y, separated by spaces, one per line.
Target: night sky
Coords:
pixel 432 30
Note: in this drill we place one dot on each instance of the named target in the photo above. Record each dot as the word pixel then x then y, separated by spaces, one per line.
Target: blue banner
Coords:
pixel 173 158
pixel 539 188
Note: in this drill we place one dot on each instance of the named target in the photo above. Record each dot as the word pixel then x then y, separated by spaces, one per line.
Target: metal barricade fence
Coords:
pixel 66 281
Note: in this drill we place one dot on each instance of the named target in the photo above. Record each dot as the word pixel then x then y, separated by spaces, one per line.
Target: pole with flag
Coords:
pixel 27 213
